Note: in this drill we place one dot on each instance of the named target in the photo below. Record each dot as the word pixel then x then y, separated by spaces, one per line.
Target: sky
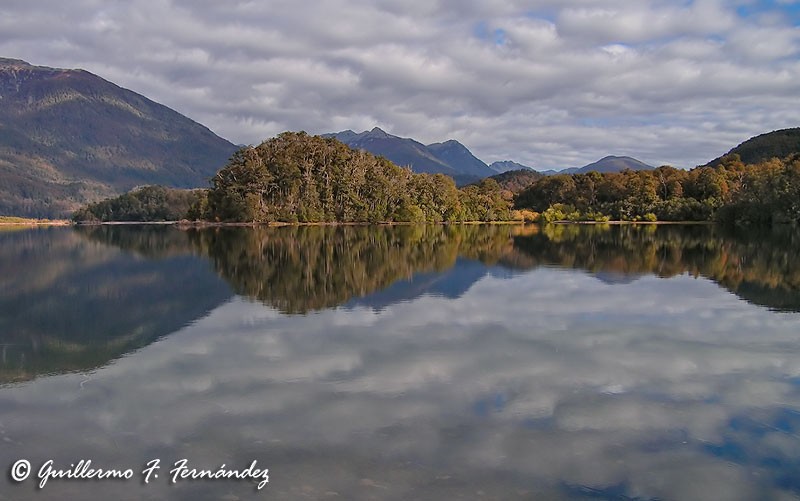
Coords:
pixel 548 83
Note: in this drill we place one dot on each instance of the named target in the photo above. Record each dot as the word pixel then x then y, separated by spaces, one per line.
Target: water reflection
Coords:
pixel 302 269
pixel 297 270
pixel 508 363
pixel 760 267
pixel 69 303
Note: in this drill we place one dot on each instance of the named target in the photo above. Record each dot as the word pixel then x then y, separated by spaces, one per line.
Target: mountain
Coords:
pixel 571 170
pixel 778 143
pixel 68 137
pixel 552 172
pixel 460 158
pixel 607 164
pixel 451 157
pixel 614 164
pixel 507 166
pixel 401 151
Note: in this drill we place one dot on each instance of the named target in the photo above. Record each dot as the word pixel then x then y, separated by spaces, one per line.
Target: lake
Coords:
pixel 409 362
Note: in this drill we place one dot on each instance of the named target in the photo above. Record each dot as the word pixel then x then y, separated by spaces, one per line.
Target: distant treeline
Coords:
pixel 149 203
pixel 295 177
pixel 731 192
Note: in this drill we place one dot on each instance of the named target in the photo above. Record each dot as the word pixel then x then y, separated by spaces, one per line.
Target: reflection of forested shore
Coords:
pixel 306 268
pixel 762 268
pixel 74 299
pixel 299 269
pixel 71 303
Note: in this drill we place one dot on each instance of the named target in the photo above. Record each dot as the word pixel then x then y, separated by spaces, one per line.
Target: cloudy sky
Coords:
pixel 550 83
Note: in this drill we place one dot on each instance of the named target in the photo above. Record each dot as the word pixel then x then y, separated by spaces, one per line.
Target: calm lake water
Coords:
pixel 476 362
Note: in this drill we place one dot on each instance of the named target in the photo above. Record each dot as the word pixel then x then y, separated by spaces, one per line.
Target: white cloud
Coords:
pixel 569 82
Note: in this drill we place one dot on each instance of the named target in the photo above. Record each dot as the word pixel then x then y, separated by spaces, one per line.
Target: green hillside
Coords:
pixel 775 144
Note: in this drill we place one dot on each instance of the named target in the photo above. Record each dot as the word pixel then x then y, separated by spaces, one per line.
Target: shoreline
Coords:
pixel 280 224
pixel 33 222
pixel 622 223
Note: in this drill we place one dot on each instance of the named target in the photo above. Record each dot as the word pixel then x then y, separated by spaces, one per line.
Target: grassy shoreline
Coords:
pixel 658 223
pixel 22 221
pixel 278 224
pixel 274 224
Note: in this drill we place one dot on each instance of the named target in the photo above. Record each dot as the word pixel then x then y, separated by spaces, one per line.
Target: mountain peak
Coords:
pixel 14 63
pixel 616 157
pixel 450 157
pixel 451 146
pixel 613 163
pixel 378 132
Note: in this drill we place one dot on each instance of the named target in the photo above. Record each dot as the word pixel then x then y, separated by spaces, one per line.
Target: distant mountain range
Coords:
pixel 454 159
pixel 68 137
pixel 450 157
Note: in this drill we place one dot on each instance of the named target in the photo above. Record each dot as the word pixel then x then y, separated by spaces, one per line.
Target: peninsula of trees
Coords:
pixel 297 178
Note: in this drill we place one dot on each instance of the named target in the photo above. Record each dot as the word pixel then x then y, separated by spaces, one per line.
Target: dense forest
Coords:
pixel 295 177
pixel 731 192
pixel 516 181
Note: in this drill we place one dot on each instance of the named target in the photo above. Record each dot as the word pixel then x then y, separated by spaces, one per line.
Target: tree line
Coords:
pixel 147 203
pixel 297 178
pixel 731 192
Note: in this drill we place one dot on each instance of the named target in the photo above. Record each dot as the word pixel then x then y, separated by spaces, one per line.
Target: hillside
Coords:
pixel 516 181
pixel 68 137
pixel 450 158
pixel 401 151
pixel 460 158
pixel 775 144
pixel 508 166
